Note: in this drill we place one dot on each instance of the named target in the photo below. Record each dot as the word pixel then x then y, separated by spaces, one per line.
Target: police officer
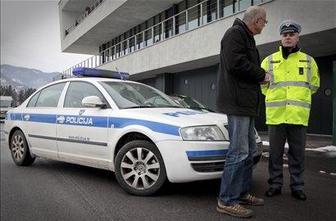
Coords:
pixel 288 100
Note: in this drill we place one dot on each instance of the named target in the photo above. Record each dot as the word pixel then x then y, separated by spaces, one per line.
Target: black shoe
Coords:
pixel 299 194
pixel 272 192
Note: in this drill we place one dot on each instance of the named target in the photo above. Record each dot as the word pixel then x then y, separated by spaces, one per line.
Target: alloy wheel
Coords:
pixel 140 168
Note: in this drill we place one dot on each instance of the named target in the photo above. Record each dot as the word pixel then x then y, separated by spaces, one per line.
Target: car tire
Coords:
pixel 140 175
pixel 20 150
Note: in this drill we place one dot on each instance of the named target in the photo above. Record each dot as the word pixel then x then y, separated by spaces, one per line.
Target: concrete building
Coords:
pixel 174 45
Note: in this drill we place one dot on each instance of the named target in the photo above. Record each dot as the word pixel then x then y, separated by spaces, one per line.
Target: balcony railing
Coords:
pixel 88 11
pixel 194 17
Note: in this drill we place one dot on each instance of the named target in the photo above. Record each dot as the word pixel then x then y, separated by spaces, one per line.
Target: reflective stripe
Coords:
pixel 309 74
pixel 314 88
pixel 289 83
pixel 270 67
pixel 287 102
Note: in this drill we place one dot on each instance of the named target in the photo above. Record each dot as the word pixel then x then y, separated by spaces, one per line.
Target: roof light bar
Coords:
pixel 93 72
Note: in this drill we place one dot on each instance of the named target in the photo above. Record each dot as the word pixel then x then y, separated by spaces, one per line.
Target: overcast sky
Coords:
pixel 30 36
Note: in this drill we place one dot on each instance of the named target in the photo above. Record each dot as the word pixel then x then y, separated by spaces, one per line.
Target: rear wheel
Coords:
pixel 139 168
pixel 19 149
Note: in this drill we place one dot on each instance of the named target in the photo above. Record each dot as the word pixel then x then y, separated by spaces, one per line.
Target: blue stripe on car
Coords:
pixel 97 122
pixel 206 153
pixel 15 116
pixel 154 126
pixel 41 118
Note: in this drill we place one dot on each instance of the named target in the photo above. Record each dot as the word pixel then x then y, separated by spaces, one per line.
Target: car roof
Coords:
pixel 89 79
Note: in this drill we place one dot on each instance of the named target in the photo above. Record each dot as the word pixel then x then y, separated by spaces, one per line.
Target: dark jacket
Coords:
pixel 239 73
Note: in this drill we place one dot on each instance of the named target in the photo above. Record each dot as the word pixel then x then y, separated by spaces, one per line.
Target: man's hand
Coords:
pixel 267 79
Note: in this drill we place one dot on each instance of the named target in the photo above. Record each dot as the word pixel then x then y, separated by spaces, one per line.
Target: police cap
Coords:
pixel 289 26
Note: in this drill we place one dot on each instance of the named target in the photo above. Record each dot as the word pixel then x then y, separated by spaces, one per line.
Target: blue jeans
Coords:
pixel 237 173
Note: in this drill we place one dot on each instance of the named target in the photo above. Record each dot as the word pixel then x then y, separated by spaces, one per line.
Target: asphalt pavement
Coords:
pixel 52 190
pixel 312 140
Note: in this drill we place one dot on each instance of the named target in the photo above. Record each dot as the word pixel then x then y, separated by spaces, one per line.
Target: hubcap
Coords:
pixel 18 147
pixel 140 168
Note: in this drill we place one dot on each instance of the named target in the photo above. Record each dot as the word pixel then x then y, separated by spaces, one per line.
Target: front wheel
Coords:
pixel 19 149
pixel 139 168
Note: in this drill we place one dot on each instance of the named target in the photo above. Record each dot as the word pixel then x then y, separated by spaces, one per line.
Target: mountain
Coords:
pixel 23 78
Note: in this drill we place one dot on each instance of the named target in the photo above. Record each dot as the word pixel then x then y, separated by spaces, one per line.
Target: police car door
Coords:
pixel 82 131
pixel 39 120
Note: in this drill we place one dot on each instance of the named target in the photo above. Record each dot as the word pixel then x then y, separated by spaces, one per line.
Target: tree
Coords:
pixel 18 96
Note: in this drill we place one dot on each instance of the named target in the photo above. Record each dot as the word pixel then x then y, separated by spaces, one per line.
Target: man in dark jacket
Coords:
pixel 239 97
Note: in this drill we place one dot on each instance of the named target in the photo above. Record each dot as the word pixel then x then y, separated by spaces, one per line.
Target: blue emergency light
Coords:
pixel 93 72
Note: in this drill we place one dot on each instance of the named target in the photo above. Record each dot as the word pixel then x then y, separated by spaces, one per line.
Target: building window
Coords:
pixel 150 23
pixel 209 9
pixel 256 2
pixel 124 48
pixel 227 7
pixel 157 33
pixel 181 6
pixel 118 50
pixel 131 43
pixel 139 41
pixel 180 23
pixel 244 4
pixel 168 28
pixel 194 17
pixel 113 53
pixel 191 3
pixel 148 37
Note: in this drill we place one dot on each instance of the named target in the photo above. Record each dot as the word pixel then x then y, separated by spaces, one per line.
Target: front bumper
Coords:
pixel 191 161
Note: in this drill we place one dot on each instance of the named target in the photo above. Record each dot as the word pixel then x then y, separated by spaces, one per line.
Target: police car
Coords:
pixel 127 127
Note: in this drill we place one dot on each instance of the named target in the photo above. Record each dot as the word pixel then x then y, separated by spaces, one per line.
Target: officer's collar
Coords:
pixel 286 52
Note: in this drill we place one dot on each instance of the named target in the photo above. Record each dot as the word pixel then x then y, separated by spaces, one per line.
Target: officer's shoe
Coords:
pixel 273 192
pixel 299 194
pixel 234 210
pixel 251 200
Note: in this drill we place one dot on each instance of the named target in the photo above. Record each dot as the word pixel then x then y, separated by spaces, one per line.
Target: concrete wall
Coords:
pixel 108 20
pixel 90 22
pixel 200 47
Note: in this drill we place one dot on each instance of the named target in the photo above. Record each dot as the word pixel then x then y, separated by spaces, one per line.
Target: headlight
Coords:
pixel 202 133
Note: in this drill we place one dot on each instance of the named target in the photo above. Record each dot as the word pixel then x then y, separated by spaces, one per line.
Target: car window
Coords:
pixel 33 100
pixel 134 95
pixel 49 96
pixel 77 91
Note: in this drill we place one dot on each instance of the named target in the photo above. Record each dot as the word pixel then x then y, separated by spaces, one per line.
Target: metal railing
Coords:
pixel 79 20
pixel 196 16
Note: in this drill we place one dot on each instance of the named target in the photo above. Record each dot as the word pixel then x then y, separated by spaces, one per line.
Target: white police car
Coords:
pixel 127 127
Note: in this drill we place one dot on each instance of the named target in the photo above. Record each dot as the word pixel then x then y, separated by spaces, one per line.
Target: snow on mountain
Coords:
pixel 20 77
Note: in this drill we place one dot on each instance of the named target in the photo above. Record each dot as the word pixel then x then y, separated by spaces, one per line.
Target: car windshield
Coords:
pixel 189 102
pixel 135 95
pixel 193 103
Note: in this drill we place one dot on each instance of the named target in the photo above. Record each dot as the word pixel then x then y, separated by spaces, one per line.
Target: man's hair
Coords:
pixel 253 12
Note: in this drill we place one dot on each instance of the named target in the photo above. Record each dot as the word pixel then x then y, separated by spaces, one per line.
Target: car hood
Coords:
pixel 180 117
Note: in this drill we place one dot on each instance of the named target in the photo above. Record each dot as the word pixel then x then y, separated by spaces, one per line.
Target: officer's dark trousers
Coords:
pixel 296 138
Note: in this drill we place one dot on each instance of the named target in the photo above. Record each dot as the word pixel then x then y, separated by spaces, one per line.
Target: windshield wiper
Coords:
pixel 149 106
pixel 139 106
pixel 173 106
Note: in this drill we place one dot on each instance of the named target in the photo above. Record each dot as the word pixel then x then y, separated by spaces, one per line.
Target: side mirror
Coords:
pixel 93 101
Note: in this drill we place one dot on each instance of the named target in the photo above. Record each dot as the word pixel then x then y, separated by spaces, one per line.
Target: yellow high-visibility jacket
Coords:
pixel 288 95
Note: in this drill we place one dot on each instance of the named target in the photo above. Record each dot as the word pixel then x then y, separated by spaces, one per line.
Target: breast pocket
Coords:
pixel 303 73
